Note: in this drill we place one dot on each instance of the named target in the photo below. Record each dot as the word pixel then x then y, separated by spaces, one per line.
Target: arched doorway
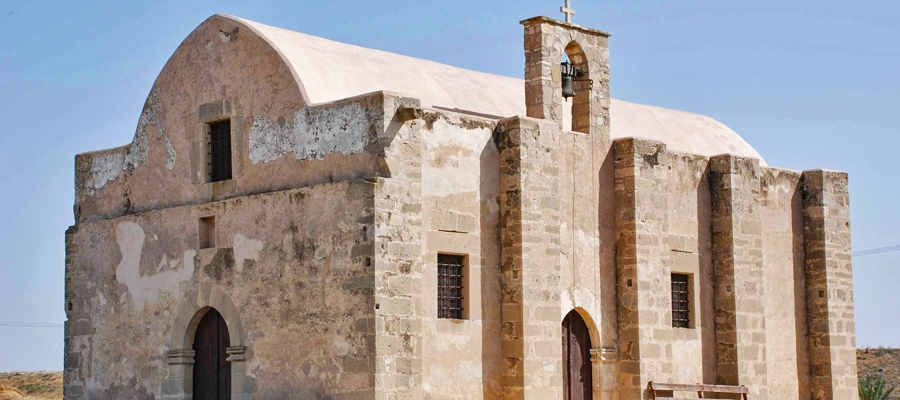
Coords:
pixel 576 349
pixel 212 373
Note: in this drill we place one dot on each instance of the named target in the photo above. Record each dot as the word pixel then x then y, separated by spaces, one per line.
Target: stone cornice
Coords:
pixel 551 21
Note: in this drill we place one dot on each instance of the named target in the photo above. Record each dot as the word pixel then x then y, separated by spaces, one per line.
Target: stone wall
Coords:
pixel 829 277
pixel 275 242
pixel 744 235
pixel 460 183
pixel 781 214
pixel 546 42
pixel 586 244
pixel 529 259
pixel 641 256
pixel 291 273
pixel 740 289
pixel 689 242
pixel 398 259
pixel 223 70
pixel 584 170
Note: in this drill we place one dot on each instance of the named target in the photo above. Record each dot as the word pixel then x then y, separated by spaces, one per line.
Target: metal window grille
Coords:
pixel 680 301
pixel 450 286
pixel 220 151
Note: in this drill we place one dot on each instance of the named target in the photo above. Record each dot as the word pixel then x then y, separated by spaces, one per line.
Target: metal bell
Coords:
pixel 567 90
pixel 569 73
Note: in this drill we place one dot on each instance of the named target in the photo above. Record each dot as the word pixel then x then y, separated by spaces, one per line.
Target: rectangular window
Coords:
pixel 450 286
pixel 207 232
pixel 681 304
pixel 220 151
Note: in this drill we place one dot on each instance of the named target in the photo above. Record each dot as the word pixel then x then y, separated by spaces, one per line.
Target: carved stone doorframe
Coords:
pixel 179 383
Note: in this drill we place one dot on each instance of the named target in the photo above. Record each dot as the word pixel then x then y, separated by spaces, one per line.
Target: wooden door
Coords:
pixel 212 374
pixel 576 347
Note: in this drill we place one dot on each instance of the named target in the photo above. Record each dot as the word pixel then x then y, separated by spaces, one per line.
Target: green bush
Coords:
pixel 874 387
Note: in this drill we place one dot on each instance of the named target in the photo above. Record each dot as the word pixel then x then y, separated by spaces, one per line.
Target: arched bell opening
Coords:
pixel 576 89
pixel 578 370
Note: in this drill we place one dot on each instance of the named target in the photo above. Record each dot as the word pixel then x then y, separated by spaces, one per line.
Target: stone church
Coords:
pixel 297 218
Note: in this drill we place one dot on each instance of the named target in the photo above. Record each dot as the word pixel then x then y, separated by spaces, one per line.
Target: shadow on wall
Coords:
pixel 491 352
pixel 707 279
pixel 797 236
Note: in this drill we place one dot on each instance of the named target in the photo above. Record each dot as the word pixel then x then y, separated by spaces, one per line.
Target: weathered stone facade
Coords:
pixel 321 252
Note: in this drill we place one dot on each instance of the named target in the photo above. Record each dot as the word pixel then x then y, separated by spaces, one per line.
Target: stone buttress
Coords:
pixel 529 259
pixel 737 259
pixel 641 168
pixel 829 279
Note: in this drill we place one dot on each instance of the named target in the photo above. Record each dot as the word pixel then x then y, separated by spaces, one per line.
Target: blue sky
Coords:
pixel 810 84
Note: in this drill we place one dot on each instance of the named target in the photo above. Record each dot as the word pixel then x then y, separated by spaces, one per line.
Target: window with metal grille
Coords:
pixel 220 151
pixel 450 286
pixel 681 304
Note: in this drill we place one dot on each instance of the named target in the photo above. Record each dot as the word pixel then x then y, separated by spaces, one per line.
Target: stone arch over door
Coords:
pixel 179 383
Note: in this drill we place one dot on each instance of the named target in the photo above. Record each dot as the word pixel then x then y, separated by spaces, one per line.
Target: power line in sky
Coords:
pixel 876 251
pixel 31 324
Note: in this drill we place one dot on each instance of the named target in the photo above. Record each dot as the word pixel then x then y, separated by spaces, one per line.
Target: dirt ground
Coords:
pixel 41 385
pixel 48 385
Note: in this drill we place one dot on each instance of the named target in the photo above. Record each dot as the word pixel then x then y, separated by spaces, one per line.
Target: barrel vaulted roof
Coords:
pixel 327 71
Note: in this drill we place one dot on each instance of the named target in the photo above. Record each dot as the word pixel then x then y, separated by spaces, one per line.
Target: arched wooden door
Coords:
pixel 212 374
pixel 576 349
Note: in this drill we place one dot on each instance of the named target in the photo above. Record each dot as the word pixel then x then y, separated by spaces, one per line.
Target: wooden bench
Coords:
pixel 700 389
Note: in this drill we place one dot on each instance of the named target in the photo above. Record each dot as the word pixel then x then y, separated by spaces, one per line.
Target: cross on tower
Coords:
pixel 568 11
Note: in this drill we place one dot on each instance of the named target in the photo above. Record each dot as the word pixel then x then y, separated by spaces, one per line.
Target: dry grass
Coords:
pixel 9 393
pixel 880 360
pixel 31 386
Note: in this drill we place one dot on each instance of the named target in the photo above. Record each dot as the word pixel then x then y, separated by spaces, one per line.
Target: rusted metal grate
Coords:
pixel 450 286
pixel 681 304
pixel 220 151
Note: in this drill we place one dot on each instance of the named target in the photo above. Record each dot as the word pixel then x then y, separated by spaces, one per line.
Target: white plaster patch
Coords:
pixel 323 249
pixel 461 373
pixel 162 263
pixel 548 367
pixel 311 135
pixel 245 249
pixel 136 153
pixel 494 205
pixel 130 238
pixel 340 348
pixel 459 173
pixel 108 167
pixel 583 298
pixel 104 169
pixel 93 383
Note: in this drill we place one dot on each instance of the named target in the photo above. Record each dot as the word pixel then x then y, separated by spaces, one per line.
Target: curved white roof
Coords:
pixel 328 71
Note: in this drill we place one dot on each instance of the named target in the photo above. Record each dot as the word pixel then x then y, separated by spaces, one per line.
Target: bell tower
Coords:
pixel 546 42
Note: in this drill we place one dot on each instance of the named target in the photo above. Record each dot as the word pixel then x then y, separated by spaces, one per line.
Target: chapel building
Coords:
pixel 297 218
